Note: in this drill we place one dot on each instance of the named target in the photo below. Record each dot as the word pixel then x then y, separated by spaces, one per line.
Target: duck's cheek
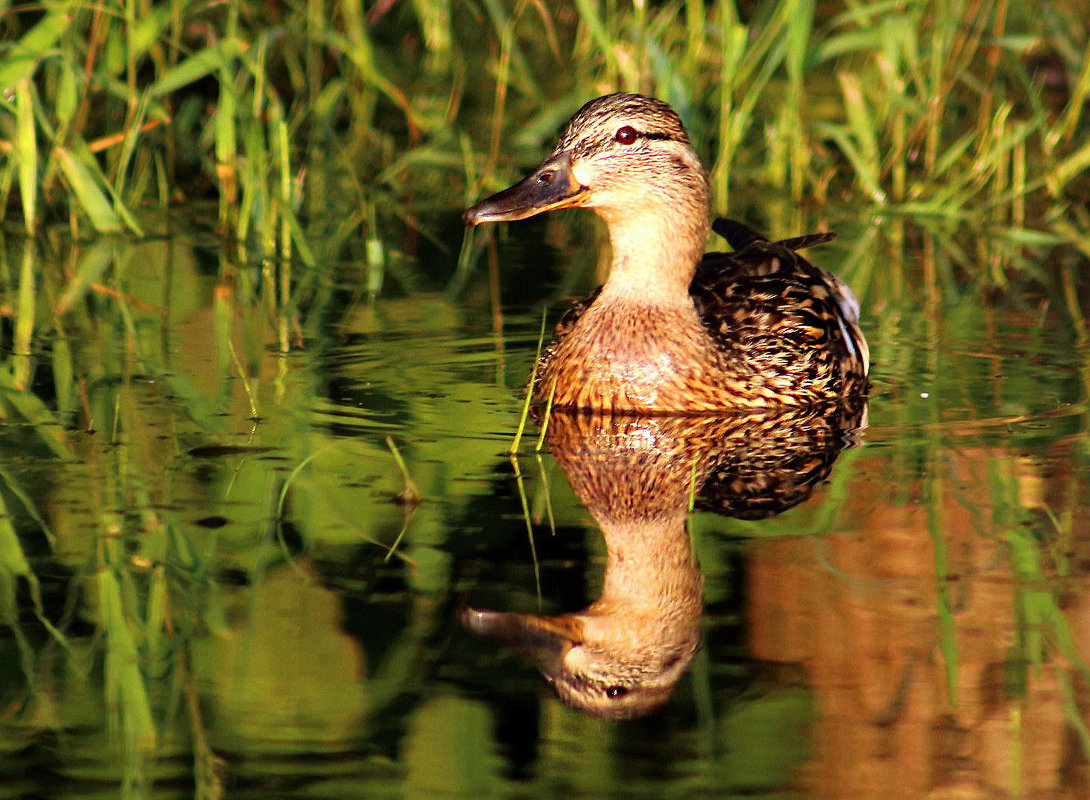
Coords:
pixel 611 204
pixel 582 172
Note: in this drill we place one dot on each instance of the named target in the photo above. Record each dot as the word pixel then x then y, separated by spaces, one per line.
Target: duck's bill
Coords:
pixel 551 186
pixel 543 637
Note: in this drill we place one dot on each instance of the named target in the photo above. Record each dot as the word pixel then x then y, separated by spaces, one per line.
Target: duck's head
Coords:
pixel 627 156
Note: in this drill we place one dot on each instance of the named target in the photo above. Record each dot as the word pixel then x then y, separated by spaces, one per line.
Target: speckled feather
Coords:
pixel 776 331
pixel 748 464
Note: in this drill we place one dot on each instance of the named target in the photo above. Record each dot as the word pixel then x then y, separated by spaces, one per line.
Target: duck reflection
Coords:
pixel 638 476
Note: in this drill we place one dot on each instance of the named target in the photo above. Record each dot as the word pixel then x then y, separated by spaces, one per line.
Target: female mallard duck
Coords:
pixel 675 329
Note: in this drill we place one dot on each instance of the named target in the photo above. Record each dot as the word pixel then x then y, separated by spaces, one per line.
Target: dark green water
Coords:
pixel 213 582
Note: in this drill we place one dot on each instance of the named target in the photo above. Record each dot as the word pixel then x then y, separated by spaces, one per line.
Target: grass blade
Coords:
pixel 91 198
pixel 198 65
pixel 35 45
pixel 26 143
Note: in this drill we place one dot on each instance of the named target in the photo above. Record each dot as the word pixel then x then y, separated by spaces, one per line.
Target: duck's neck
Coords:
pixel 655 253
pixel 649 565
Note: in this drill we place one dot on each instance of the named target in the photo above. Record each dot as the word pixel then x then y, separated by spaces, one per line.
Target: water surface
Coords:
pixel 230 568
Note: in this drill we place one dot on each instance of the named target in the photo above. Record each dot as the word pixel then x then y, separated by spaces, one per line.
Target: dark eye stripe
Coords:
pixel 648 135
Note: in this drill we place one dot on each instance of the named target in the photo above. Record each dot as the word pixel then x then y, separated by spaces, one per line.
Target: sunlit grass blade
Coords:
pixel 26 143
pixel 226 149
pixel 147 30
pixel 529 399
pixel 1068 122
pixel 1075 164
pixel 24 322
pixel 199 65
pixel 799 28
pixel 588 13
pixel 864 145
pixel 23 56
pixel 86 190
pixel 524 74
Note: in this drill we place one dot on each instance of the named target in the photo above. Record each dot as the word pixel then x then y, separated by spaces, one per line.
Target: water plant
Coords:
pixel 971 110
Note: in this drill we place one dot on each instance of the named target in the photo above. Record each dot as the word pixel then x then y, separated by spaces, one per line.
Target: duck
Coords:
pixel 676 330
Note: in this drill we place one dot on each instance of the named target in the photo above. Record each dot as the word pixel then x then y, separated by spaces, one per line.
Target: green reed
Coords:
pixel 316 112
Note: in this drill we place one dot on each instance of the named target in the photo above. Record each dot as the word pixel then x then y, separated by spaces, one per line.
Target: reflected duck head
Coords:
pixel 613 666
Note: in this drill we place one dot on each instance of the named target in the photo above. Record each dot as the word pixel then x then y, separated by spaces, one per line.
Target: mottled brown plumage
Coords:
pixel 675 330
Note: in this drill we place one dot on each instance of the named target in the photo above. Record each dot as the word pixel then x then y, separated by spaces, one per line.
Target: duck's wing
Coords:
pixel 765 297
pixel 774 459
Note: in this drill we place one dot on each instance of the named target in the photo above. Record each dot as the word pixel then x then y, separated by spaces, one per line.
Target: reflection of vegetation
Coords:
pixel 164 490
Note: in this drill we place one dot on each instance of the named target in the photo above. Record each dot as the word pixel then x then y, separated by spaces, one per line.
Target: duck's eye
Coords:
pixel 616 692
pixel 626 135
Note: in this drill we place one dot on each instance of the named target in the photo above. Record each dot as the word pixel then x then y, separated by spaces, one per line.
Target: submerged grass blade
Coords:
pixel 947 627
pixel 514 448
pixel 14 564
pixel 411 494
pixel 546 495
pixel 126 690
pixel 520 483
pixel 92 266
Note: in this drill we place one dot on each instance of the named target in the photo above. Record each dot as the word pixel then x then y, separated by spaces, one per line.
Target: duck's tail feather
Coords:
pixel 738 235
pixel 808 240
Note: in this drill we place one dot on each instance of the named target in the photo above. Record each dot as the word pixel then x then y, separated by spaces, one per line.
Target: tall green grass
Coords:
pixel 326 130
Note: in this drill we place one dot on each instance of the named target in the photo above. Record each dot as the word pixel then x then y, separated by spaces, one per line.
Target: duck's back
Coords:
pixel 769 310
